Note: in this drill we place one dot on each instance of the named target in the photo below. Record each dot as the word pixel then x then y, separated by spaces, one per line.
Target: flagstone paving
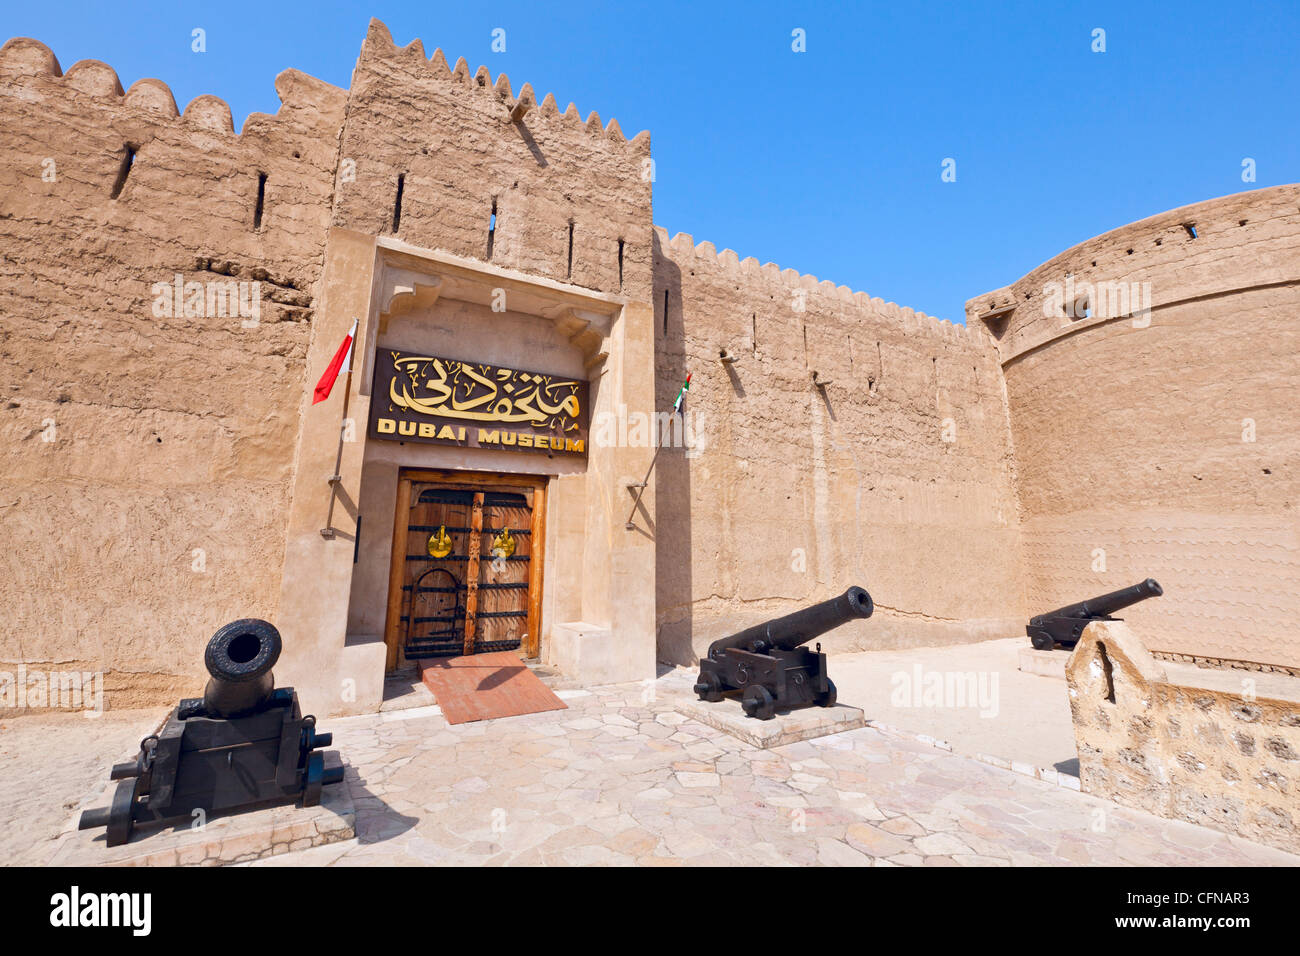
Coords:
pixel 619 779
pixel 49 763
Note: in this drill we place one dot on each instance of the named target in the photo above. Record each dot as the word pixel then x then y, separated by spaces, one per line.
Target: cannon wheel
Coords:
pixel 1042 642
pixel 758 702
pixel 827 699
pixel 708 687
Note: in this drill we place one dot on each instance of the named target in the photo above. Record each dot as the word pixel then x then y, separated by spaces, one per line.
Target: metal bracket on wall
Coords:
pixel 639 487
pixel 327 531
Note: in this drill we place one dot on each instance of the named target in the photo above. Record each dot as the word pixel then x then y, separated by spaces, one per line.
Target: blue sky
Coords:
pixel 827 161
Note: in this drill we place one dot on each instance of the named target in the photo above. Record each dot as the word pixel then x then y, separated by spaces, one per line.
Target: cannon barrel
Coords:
pixel 788 632
pixel 240 657
pixel 1107 604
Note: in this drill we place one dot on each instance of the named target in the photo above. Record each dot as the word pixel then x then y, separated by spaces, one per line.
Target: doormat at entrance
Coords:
pixel 486 686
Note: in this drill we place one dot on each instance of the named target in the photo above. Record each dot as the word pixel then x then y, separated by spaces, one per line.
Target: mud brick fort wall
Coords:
pixel 445 133
pixel 1168 440
pixel 940 465
pixel 897 475
pixel 170 434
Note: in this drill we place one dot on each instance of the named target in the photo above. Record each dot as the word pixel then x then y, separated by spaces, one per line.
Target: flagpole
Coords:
pixel 640 489
pixel 337 476
pixel 328 531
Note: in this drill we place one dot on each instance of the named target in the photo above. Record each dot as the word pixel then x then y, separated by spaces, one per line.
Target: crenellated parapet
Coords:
pixel 128 168
pixel 451 160
pixel 856 306
pixel 25 62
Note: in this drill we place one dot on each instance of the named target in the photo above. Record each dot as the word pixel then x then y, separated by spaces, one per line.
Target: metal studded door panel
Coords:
pixel 466 575
pixel 434 580
pixel 505 550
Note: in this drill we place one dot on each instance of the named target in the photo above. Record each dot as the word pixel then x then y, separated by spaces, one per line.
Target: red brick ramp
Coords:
pixel 486 686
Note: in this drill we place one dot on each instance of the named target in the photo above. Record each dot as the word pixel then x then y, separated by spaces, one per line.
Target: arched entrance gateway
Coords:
pixel 473 511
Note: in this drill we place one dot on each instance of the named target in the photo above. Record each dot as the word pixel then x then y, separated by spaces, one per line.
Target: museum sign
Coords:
pixel 447 401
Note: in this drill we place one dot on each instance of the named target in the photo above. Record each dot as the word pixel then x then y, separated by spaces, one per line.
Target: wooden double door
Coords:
pixel 466 574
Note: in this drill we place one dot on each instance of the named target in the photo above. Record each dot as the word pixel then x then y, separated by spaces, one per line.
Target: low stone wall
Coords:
pixel 1219 755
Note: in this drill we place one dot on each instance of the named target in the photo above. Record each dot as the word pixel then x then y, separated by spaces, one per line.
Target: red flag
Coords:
pixel 341 362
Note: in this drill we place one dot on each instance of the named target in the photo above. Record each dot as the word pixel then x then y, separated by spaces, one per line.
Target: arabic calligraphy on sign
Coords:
pixel 436 399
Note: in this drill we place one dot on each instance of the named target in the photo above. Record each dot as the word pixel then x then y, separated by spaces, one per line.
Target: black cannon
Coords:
pixel 767 664
pixel 243 744
pixel 1065 625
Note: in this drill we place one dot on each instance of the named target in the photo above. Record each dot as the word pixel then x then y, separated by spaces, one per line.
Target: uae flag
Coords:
pixel 341 362
pixel 681 393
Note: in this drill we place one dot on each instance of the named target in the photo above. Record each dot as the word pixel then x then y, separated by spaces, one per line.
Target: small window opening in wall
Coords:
pixel 261 201
pixel 753 332
pixel 123 170
pixel 1191 230
pixel 1107 672
pixel 570 272
pixel 1082 309
pixel 1128 252
pixel 665 311
pixel 492 228
pixel 1160 242
pixel 397 202
pixel 620 265
pixel 1241 222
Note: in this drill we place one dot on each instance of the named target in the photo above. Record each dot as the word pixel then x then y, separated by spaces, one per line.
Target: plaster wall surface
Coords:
pixel 897 475
pixel 1161 437
pixel 144 466
pixel 1217 755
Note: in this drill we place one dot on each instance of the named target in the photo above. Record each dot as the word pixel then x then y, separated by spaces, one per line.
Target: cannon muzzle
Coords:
pixel 788 632
pixel 240 657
